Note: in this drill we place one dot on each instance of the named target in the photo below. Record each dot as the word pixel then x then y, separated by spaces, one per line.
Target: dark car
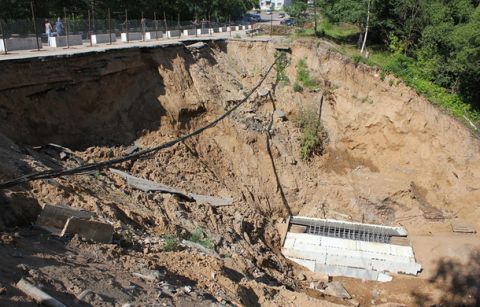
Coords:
pixel 288 22
pixel 281 15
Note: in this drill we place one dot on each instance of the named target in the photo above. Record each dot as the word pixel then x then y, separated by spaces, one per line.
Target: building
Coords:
pixel 274 4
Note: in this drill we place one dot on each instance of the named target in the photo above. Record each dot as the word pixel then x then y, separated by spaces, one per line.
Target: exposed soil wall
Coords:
pixel 391 158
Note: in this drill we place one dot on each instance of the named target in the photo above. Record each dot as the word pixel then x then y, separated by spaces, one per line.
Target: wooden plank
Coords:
pixel 38 295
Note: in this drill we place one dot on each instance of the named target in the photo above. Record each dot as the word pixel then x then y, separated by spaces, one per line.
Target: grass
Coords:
pixel 198 236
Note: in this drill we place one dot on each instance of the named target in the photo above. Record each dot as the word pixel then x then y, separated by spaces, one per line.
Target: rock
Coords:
pixel 336 289
pixel 263 92
pixel 392 305
pixel 354 302
pixel 301 276
pixel 187 289
pixel 375 294
pixel 57 216
pixel 3 290
pixel 280 115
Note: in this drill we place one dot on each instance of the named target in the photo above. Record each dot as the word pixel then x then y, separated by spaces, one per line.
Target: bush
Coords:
pixel 281 65
pixel 303 75
pixel 170 243
pixel 312 136
pixel 297 87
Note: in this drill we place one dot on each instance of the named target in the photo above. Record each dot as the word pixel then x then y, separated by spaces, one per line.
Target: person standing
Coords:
pixel 48 28
pixel 59 26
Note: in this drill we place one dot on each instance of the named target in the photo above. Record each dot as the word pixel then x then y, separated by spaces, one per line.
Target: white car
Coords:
pixel 268 12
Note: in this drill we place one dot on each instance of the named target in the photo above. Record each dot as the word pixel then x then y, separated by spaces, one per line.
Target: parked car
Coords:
pixel 268 12
pixel 256 18
pixel 288 22
pixel 281 15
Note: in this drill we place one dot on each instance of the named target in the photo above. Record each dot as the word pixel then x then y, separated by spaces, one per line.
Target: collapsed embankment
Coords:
pixel 390 158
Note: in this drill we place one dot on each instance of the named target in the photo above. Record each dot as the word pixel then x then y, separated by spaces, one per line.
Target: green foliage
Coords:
pixel 281 65
pixel 303 75
pixel 170 243
pixel 382 75
pixel 297 10
pixel 198 236
pixel 357 59
pixel 311 139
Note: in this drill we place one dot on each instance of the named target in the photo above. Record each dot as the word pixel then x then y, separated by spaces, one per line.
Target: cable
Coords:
pixel 49 174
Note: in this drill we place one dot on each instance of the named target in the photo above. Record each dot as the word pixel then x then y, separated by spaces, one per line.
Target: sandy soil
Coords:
pixel 391 158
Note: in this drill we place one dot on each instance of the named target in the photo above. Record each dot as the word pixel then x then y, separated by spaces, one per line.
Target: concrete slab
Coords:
pixel 190 32
pixel 173 33
pixel 57 216
pixel 103 38
pixel 132 36
pixel 462 227
pixel 12 44
pixel 153 35
pixel 61 41
pixel 90 230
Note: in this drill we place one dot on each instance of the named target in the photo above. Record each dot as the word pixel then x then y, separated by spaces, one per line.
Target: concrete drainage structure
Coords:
pixel 340 248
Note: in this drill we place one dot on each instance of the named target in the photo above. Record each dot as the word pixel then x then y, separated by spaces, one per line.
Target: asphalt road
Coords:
pixel 275 17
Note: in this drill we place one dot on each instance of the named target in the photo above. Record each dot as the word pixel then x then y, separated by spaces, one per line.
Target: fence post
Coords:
pixel 89 29
pixel 66 26
pixel 35 25
pixel 109 26
pixel 230 25
pixel 3 37
pixel 126 24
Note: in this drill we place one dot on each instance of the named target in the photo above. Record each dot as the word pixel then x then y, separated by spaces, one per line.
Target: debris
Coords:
pixel 57 216
pixel 37 295
pixel 461 227
pixel 354 303
pixel 336 289
pixel 151 186
pixel 298 229
pixel 197 46
pixel 146 277
pixel 90 230
pixel 131 149
pixel 83 294
pixel 187 289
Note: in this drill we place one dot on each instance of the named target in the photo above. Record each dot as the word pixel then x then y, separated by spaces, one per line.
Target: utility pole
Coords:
pixel 35 25
pixel 109 26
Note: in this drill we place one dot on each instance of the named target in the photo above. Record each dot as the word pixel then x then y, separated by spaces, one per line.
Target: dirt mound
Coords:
pixel 391 158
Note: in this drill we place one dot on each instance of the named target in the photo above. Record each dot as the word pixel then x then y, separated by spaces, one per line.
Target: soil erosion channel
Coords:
pixel 387 157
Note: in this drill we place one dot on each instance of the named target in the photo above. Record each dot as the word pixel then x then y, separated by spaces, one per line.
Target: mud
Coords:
pixel 392 158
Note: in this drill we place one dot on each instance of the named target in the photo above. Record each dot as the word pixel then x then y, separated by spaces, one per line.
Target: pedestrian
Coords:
pixel 59 26
pixel 48 28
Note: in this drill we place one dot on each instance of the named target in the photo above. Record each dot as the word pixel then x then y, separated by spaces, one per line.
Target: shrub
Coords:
pixel 303 75
pixel 198 236
pixel 170 243
pixel 382 75
pixel 281 65
pixel 312 136
pixel 297 87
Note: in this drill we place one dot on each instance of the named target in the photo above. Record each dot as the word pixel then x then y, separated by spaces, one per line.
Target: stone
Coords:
pixel 279 114
pixel 354 303
pixel 301 276
pixel 90 230
pixel 336 289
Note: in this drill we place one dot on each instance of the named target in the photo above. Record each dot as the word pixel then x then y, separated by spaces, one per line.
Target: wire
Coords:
pixel 49 174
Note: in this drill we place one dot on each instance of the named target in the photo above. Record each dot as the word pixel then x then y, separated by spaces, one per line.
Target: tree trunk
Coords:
pixel 366 29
